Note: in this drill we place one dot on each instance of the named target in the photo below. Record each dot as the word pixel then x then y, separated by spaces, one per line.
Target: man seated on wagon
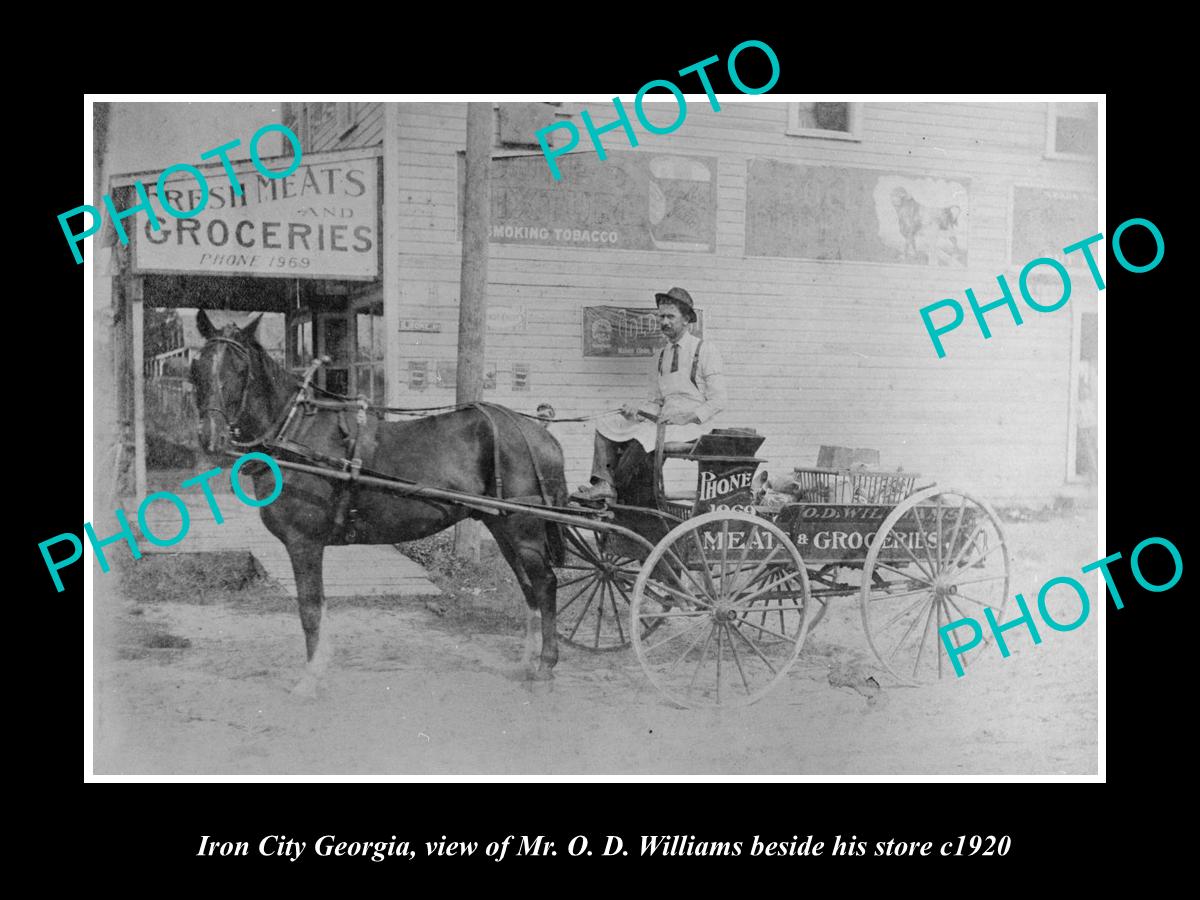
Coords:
pixel 687 389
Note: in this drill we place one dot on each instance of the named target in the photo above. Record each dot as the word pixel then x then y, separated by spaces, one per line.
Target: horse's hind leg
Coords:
pixel 530 539
pixel 545 589
pixel 509 552
pixel 307 565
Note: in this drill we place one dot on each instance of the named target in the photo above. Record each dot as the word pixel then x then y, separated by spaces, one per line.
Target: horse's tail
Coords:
pixel 556 494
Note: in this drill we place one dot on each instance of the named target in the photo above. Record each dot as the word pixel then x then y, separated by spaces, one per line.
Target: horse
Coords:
pixel 483 449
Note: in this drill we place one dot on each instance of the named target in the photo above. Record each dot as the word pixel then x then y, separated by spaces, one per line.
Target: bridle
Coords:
pixel 222 409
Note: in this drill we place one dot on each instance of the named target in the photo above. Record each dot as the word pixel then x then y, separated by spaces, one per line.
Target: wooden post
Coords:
pixel 137 321
pixel 472 303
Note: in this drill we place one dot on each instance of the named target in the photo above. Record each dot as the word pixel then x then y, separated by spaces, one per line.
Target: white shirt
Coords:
pixel 673 392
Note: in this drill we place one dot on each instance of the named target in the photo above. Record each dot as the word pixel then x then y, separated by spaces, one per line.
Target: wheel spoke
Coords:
pixel 924 636
pixel 769 609
pixel 975 530
pixel 724 552
pixel 707 566
pixel 675 614
pixel 680 633
pixel 881 595
pixel 691 647
pixel 612 599
pixel 764 590
pixel 762 566
pixel 738 660
pixel 624 595
pixel 749 624
pixel 939 619
pixel 979 580
pixel 883 565
pixel 957 645
pixel 904 638
pixel 900 615
pixel 692 578
pixel 939 531
pixel 586 607
pixel 977 602
pixel 582 549
pixel 689 599
pixel 720 630
pixel 979 559
pixel 754 647
pixel 578 593
pixel 591 574
pixel 950 600
pixel 904 547
pixel 766 574
pixel 700 662
pixel 600 610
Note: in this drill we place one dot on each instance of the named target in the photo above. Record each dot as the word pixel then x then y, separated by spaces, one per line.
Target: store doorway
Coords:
pixel 352 337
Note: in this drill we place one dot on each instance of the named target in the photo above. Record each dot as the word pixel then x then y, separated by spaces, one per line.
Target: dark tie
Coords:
pixel 675 358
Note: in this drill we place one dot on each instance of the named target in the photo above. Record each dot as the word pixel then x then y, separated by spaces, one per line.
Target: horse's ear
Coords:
pixel 204 325
pixel 250 332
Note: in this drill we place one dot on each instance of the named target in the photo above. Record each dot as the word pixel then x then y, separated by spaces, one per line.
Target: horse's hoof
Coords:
pixel 541 687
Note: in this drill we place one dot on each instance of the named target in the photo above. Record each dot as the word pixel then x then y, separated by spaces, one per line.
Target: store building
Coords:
pixel 809 235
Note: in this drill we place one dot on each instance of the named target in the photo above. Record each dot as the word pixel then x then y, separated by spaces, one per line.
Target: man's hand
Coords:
pixel 679 418
pixel 630 410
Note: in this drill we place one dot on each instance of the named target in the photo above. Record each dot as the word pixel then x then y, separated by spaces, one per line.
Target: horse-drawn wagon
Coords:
pixel 715 589
pixel 721 607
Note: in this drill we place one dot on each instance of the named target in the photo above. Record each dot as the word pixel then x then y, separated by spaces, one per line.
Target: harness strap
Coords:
pixel 499 477
pixel 547 498
pixel 360 451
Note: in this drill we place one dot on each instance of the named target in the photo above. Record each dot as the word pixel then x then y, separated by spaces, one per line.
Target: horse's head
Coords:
pixel 223 377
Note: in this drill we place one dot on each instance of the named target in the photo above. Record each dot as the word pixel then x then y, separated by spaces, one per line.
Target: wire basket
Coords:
pixel 852 485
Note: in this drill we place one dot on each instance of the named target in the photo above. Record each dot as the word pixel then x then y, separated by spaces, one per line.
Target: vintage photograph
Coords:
pixel 452 448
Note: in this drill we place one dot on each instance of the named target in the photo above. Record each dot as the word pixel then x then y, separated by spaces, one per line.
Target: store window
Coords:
pixel 1071 130
pixel 839 121
pixel 369 353
pixel 300 343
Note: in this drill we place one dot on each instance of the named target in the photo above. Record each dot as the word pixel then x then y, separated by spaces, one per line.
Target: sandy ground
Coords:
pixel 201 687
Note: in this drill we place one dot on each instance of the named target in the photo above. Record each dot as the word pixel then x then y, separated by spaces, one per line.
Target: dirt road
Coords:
pixel 201 687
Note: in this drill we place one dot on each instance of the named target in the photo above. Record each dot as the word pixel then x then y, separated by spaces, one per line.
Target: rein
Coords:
pixel 304 392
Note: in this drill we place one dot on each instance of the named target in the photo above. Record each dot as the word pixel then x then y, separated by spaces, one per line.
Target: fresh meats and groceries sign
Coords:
pixel 321 221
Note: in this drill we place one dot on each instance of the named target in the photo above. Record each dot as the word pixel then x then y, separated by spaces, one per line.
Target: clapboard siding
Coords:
pixel 817 352
pixel 367 131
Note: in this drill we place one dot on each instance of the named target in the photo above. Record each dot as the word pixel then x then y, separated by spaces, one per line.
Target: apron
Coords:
pixel 679 395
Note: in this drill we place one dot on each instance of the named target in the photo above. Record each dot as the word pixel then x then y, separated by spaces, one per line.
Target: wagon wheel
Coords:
pixel 595 588
pixel 709 647
pixel 946 560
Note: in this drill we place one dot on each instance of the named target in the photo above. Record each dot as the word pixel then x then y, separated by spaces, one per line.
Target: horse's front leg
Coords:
pixel 307 566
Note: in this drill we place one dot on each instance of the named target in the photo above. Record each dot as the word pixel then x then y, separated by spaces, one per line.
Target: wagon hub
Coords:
pixel 941 590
